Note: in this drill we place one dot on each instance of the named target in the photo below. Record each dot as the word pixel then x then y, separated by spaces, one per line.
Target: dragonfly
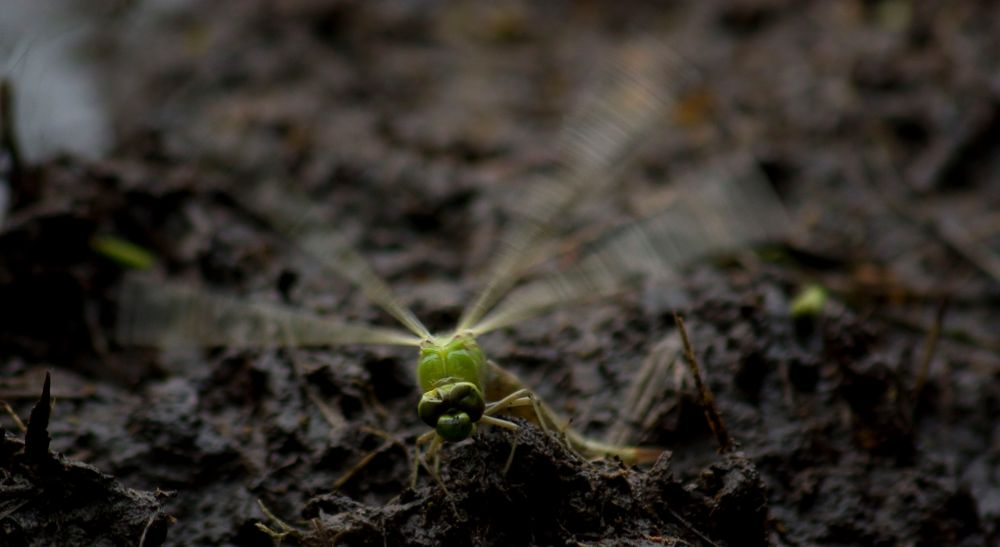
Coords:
pixel 723 208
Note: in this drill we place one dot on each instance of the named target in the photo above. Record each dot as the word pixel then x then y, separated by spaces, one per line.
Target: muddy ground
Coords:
pixel 417 126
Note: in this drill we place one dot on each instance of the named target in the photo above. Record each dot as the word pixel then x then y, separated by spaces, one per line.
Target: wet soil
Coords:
pixel 416 127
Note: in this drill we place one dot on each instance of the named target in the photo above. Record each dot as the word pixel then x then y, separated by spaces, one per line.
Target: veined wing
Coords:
pixel 728 207
pixel 158 315
pixel 297 219
pixel 596 143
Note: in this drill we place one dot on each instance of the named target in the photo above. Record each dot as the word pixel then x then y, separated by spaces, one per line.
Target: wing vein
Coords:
pixel 596 143
pixel 727 207
pixel 169 316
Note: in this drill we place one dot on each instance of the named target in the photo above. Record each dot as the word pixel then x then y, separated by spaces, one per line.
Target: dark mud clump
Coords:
pixel 47 498
pixel 551 496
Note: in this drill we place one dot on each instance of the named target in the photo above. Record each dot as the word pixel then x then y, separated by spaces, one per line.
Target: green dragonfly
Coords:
pixel 721 209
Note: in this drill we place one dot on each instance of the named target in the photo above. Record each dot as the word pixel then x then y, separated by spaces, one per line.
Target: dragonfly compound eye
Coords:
pixel 455 425
pixel 465 396
pixel 448 402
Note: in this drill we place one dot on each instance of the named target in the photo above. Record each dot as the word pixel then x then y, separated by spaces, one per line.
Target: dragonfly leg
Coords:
pixel 544 417
pixel 418 458
pixel 510 426
pixel 434 453
pixel 521 397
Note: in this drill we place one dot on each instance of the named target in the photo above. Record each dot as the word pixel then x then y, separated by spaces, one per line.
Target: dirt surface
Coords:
pixel 418 126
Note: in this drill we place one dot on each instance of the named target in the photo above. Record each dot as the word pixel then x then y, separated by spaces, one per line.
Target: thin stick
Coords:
pixel 707 399
pixel 946 231
pixel 645 389
pixel 362 463
pixel 13 415
pixel 961 241
pixel 283 528
pixel 9 145
pixel 149 524
pixel 930 348
pixel 683 522
pixel 333 418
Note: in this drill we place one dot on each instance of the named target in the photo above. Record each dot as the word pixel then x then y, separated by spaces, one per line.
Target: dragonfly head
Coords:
pixel 451 372
pixel 452 409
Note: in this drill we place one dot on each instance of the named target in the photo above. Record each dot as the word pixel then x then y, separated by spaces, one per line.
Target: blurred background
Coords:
pixel 857 360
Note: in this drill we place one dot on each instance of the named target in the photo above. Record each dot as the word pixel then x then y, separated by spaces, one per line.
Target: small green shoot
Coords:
pixel 124 253
pixel 809 302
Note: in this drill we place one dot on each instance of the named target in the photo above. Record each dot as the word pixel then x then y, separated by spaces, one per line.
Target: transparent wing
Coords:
pixel 297 219
pixel 725 208
pixel 158 315
pixel 629 101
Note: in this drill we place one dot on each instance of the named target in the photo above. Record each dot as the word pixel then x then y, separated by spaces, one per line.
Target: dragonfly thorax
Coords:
pixel 451 374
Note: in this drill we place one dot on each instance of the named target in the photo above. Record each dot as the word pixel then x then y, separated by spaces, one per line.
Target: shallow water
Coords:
pixel 45 52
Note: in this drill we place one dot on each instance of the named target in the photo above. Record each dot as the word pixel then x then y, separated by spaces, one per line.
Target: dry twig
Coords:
pixel 707 399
